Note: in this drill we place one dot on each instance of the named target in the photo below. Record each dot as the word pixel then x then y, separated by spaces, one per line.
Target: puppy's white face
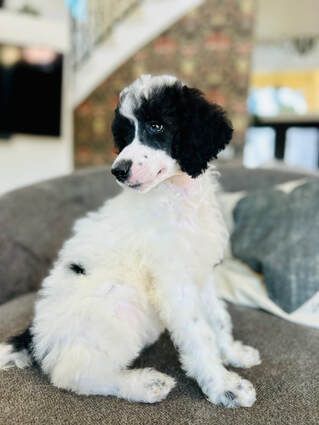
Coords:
pixel 143 167
pixel 162 128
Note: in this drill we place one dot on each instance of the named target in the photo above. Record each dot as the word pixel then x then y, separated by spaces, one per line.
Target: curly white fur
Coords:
pixel 148 261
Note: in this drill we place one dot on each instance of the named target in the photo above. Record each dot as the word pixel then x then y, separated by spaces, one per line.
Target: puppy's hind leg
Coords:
pixel 108 332
pixel 234 353
pixel 144 385
pixel 89 373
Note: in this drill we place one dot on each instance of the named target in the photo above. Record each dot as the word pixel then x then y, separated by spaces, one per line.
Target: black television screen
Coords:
pixel 30 91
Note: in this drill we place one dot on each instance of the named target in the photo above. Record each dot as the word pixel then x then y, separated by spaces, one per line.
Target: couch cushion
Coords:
pixel 276 234
pixel 235 177
pixel 287 382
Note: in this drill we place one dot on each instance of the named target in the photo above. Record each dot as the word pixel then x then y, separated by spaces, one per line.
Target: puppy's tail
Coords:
pixel 17 351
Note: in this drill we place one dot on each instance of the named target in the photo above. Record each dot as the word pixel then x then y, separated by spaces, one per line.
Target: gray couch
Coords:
pixel 35 220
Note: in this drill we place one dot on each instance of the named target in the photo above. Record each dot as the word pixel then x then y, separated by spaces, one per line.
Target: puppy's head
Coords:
pixel 163 128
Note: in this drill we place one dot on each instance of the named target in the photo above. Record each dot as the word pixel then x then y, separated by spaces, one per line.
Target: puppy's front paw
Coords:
pixel 156 386
pixel 240 355
pixel 236 392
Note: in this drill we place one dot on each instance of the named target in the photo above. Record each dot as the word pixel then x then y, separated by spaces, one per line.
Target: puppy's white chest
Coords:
pixel 187 228
pixel 180 213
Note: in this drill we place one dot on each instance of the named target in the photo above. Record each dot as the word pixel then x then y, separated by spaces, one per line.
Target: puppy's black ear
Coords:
pixel 205 131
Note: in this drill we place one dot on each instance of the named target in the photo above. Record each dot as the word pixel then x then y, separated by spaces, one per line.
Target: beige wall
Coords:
pixel 280 19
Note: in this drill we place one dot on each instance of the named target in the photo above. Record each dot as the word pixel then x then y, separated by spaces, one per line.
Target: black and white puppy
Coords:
pixel 144 262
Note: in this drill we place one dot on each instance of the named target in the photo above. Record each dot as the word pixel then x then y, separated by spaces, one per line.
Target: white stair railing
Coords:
pixel 92 22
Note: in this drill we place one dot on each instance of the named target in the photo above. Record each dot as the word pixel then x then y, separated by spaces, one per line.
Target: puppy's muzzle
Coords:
pixel 122 170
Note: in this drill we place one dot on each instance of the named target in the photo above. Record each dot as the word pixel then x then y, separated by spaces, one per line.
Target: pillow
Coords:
pixel 276 233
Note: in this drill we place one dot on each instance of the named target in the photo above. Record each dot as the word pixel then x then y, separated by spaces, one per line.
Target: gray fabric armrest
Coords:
pixel 35 220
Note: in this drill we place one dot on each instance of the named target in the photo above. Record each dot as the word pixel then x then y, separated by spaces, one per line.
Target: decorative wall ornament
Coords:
pixel 304 45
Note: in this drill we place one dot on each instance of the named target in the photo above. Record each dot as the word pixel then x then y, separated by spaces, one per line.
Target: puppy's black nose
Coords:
pixel 122 169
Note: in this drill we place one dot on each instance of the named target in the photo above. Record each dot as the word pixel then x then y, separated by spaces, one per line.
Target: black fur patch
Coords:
pixel 77 268
pixel 193 131
pixel 123 130
pixel 23 341
pixel 230 395
pixel 205 131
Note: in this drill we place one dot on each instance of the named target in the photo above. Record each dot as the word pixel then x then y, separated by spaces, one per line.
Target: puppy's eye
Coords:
pixel 154 127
